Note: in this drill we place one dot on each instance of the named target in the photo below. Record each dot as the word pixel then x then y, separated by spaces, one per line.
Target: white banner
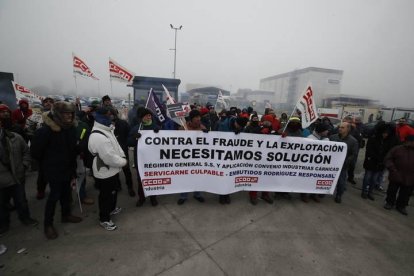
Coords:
pixel 223 163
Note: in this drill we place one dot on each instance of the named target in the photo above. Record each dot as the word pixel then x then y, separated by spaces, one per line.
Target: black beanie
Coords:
pixel 321 128
pixel 194 113
pixel 141 112
pixel 241 121
pixel 106 97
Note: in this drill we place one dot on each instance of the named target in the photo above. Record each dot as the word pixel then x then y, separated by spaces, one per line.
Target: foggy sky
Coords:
pixel 228 43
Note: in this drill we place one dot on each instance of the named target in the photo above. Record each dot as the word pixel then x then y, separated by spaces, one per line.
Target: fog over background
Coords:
pixel 232 44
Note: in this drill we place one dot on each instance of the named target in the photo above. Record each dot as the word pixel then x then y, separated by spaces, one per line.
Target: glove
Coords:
pixel 284 134
pixel 205 130
pixel 138 135
pixel 237 131
pixel 156 130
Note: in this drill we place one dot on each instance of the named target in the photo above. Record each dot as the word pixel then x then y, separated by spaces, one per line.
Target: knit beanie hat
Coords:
pixel 194 113
pixel 141 112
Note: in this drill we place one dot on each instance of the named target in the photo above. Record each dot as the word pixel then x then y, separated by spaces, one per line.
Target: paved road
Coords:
pixel 357 237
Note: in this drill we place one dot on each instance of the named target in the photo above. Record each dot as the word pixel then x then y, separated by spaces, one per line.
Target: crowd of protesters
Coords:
pixel 64 141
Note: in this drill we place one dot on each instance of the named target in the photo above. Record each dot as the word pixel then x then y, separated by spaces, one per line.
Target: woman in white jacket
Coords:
pixel 109 158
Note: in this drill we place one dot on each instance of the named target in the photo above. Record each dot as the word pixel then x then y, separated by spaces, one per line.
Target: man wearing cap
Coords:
pixel 400 164
pixel 54 144
pixel 109 158
pixel 344 136
pixel 14 161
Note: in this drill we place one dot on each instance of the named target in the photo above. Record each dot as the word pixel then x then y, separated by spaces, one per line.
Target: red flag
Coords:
pixel 307 107
pixel 80 67
pixel 23 92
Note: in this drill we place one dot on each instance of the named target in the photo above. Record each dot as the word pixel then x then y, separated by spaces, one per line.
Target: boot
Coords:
pixel 370 197
pixel 50 232
pixel 131 192
pixel 253 200
pixel 304 198
pixel 315 198
pixel 140 202
pixel 154 201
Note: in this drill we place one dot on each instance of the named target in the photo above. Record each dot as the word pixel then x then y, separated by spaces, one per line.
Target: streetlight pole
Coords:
pixel 175 45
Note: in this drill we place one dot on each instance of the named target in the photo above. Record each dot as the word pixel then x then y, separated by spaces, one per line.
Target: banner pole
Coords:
pixel 110 80
pixel 76 84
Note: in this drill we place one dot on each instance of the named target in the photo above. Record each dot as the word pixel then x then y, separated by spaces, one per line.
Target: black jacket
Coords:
pixel 56 148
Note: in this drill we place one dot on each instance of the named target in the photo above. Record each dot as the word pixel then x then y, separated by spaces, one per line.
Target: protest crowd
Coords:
pixel 64 140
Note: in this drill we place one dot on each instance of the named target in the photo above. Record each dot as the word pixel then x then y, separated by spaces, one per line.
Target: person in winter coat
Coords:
pixel 344 136
pixel 319 133
pixel 144 115
pixel 236 125
pixel 121 132
pixel 14 161
pixel 55 145
pixel 193 123
pixel 20 115
pixel 378 146
pixel 109 159
pixel 400 164
pixel 403 129
pixel 254 127
pixel 35 122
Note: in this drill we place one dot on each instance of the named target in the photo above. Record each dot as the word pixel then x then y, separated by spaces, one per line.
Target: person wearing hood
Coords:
pixel 378 146
pixel 14 161
pixel 146 123
pixel 109 159
pixel 20 115
pixel 400 164
pixel 55 145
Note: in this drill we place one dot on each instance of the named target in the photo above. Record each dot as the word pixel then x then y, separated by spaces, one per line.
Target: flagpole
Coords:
pixel 110 80
pixel 146 104
pixel 76 84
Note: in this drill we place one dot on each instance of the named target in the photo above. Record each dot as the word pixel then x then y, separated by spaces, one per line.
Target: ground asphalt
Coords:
pixel 289 237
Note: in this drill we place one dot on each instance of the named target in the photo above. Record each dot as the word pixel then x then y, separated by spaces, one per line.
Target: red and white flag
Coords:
pixel 23 92
pixel 119 73
pixel 80 67
pixel 307 107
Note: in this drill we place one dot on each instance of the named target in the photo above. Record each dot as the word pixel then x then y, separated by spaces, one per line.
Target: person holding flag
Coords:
pixel 147 123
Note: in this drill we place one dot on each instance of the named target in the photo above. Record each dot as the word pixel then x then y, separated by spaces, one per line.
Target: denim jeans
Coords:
pixel 370 181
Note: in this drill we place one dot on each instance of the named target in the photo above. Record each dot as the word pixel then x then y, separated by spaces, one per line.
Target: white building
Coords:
pixel 289 86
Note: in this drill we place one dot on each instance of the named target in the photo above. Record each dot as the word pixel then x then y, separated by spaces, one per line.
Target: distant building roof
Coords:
pixel 302 71
pixel 209 90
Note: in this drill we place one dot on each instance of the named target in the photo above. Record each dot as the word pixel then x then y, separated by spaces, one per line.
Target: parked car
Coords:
pixel 126 103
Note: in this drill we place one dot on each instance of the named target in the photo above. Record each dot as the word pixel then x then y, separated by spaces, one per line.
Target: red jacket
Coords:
pixel 19 117
pixel 403 131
